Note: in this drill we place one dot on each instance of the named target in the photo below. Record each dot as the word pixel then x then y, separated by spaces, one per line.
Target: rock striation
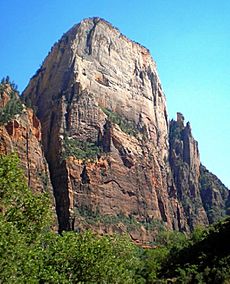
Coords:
pixel 114 163
pixel 204 198
pixel 185 167
pixel 21 133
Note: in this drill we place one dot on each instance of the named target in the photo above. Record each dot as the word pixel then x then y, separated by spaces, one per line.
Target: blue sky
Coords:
pixel 189 40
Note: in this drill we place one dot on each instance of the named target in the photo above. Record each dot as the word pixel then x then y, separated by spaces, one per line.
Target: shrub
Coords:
pixel 127 126
pixel 82 150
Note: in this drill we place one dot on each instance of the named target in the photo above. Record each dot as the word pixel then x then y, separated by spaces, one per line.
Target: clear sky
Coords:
pixel 189 40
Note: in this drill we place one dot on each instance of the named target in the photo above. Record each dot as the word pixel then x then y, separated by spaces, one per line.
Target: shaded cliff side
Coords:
pixel 185 166
pixel 200 192
pixel 215 195
pixel 105 135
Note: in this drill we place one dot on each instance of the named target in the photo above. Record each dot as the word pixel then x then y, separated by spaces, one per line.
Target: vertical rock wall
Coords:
pixel 105 135
pixel 185 165
pixel 22 134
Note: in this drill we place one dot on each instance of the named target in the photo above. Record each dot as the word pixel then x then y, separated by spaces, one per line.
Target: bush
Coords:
pixel 129 127
pixel 82 150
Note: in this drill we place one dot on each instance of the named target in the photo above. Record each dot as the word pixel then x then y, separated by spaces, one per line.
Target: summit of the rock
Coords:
pixel 87 23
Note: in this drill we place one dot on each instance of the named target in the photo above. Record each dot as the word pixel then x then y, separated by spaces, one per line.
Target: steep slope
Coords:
pixel 185 165
pixel 215 196
pixel 105 135
pixel 20 132
pixel 200 192
pixel 101 89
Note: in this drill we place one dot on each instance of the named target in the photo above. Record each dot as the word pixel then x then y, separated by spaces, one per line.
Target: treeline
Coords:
pixel 30 252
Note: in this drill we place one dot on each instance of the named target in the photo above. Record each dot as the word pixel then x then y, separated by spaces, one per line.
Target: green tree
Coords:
pixel 92 259
pixel 31 253
pixel 14 105
pixel 29 212
pixel 24 218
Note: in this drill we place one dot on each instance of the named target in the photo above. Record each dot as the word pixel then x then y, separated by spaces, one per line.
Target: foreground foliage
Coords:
pixel 31 253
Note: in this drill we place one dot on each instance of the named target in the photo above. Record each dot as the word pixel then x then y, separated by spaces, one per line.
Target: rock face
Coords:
pixel 204 198
pixel 215 196
pixel 105 135
pixel 22 134
pixel 185 166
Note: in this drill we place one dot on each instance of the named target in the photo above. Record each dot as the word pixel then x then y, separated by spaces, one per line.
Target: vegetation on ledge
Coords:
pixel 14 105
pixel 95 218
pixel 129 127
pixel 81 150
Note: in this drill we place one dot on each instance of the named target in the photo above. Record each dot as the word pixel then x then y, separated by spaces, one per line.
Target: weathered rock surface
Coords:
pixel 185 165
pixel 22 134
pixel 215 196
pixel 105 135
pixel 204 198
